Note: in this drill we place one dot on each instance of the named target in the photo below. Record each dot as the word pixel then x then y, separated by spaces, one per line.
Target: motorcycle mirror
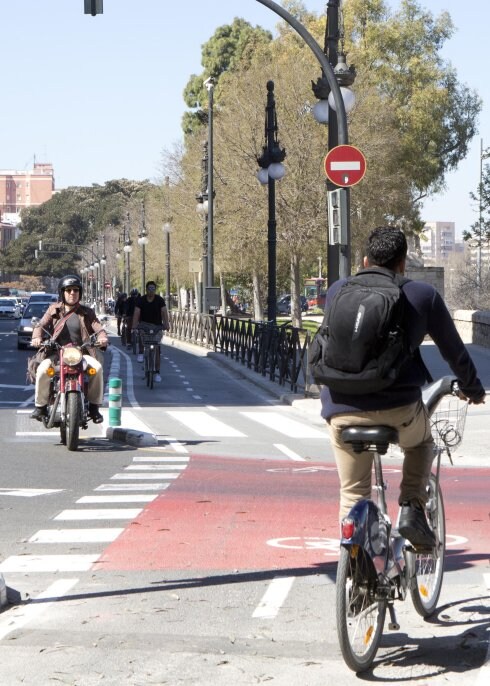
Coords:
pixel 35 321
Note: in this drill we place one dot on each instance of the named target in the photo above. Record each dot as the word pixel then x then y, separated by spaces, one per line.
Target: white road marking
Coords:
pixel 128 498
pixel 76 535
pixel 146 475
pixel 57 590
pixel 29 492
pixel 204 425
pixel 287 451
pixel 285 425
pixel 48 563
pixel 46 433
pixel 132 487
pixel 153 467
pixel 160 458
pixel 273 598
pixel 117 513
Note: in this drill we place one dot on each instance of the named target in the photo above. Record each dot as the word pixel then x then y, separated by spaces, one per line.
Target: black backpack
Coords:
pixel 361 345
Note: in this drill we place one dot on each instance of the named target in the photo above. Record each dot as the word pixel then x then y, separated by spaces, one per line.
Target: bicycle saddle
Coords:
pixel 361 437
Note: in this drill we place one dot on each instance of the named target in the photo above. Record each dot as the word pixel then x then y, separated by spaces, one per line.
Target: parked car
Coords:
pixel 24 330
pixel 9 309
pixel 284 304
pixel 43 298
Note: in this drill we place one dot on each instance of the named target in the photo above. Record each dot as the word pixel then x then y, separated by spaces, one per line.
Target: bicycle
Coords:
pixel 151 338
pixel 376 565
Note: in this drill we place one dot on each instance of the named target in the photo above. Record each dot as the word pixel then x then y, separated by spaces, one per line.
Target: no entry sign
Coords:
pixel 345 165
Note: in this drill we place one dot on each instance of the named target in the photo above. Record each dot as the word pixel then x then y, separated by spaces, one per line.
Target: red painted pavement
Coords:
pixel 228 514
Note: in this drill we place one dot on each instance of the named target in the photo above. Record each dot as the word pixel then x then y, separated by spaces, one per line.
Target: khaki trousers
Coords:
pixel 354 469
pixel 95 392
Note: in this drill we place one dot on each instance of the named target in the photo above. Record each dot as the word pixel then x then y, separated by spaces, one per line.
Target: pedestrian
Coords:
pixel 129 307
pixel 150 312
pixel 399 405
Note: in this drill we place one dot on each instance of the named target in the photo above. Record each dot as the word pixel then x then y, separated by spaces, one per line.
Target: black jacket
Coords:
pixel 426 314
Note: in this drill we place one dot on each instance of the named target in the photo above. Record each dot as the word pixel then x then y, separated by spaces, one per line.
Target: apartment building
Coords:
pixel 439 244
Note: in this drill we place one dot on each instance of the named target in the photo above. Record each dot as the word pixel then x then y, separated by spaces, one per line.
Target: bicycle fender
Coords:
pixel 370 532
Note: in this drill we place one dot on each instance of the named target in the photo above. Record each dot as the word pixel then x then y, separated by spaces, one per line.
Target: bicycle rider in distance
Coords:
pixel 400 406
pixel 150 311
pixel 128 309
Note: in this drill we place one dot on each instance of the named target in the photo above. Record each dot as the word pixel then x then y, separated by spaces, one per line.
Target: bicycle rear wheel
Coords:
pixel 428 568
pixel 360 615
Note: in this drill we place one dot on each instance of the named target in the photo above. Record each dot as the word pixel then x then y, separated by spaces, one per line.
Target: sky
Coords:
pixel 101 97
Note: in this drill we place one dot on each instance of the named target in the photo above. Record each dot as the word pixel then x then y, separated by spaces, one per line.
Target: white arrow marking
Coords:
pixel 29 492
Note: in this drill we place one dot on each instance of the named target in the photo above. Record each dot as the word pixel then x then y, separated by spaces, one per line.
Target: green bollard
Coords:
pixel 115 402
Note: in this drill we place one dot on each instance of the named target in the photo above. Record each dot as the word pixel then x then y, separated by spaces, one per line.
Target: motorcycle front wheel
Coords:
pixel 72 420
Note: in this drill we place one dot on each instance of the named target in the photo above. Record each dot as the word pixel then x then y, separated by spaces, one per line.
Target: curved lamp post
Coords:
pixel 167 230
pixel 339 262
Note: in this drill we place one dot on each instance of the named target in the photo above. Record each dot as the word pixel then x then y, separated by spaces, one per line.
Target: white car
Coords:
pixel 9 309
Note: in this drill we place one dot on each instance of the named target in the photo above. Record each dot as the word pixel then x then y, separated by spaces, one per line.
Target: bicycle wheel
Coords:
pixel 427 569
pixel 151 366
pixel 123 333
pixel 360 615
pixel 134 340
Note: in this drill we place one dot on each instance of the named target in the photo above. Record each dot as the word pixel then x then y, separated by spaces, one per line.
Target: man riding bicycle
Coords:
pixel 150 311
pixel 129 307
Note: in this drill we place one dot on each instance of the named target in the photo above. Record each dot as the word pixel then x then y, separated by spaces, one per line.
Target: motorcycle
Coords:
pixel 68 406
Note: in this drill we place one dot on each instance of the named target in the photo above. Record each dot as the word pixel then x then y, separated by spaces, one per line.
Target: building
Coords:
pixel 21 189
pixel 439 243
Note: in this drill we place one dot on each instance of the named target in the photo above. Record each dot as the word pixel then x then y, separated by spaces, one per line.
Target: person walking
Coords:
pixel 400 405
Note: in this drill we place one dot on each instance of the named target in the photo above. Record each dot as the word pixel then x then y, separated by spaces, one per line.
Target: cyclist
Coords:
pixel 75 328
pixel 128 310
pixel 119 310
pixel 150 311
pixel 399 406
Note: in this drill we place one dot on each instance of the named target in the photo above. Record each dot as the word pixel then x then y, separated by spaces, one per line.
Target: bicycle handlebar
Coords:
pixel 434 392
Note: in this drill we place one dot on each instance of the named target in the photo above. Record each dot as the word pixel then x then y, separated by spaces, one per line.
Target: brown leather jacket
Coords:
pixel 89 324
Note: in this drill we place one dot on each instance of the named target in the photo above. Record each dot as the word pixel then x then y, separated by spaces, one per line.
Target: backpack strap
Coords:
pixel 60 324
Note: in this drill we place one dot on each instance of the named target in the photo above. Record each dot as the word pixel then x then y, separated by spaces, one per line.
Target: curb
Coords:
pixel 131 437
pixel 3 592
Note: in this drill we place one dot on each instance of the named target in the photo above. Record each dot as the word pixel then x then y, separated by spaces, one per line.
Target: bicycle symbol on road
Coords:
pixel 329 545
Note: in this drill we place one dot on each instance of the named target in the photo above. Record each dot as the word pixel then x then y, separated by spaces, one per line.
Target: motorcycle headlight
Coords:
pixel 72 356
pixel 26 329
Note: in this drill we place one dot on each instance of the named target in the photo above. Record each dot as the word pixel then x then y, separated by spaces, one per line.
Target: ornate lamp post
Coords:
pixel 143 242
pixel 202 209
pixel 167 230
pixel 271 170
pixel 209 83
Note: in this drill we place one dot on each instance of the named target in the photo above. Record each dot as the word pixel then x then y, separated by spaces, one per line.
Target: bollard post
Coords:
pixel 115 401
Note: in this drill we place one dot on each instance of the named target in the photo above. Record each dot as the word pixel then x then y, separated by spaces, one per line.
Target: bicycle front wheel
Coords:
pixel 427 569
pixel 360 615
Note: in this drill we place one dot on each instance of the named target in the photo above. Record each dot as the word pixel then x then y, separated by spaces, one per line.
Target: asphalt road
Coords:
pixel 210 557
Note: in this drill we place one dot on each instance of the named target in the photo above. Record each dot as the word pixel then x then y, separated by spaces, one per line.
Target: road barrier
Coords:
pixel 115 401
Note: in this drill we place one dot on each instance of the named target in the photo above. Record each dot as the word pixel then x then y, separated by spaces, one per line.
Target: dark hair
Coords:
pixel 386 247
pixel 150 283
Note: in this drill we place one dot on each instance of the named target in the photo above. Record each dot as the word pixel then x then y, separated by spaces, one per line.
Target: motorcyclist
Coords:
pixel 76 329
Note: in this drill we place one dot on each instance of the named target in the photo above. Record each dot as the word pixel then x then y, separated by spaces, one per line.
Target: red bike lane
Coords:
pixel 233 514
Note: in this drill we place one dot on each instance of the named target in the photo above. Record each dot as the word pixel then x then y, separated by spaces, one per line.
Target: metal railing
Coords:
pixel 278 352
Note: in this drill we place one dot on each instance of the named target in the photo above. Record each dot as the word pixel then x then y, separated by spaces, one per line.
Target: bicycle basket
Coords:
pixel 447 422
pixel 151 337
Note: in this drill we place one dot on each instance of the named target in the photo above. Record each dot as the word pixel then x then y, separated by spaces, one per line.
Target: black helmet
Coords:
pixel 134 291
pixel 69 280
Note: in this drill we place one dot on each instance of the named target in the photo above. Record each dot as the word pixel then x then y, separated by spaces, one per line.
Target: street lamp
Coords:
pixel 167 230
pixel 143 242
pixel 325 112
pixel 202 208
pixel 271 170
pixel 210 83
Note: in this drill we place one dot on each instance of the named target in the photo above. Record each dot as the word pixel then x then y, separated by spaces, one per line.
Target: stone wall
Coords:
pixel 432 275
pixel 473 326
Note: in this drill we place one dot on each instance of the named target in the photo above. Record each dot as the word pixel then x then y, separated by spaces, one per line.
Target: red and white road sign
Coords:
pixel 345 165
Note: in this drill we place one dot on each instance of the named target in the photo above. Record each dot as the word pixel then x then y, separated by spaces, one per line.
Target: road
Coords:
pixel 209 558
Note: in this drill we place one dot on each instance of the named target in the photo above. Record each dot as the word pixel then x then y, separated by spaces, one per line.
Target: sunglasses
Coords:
pixel 72 290
pixel 151 288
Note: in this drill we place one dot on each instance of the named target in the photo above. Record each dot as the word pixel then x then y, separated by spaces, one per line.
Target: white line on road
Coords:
pixel 132 487
pixel 57 590
pixel 99 499
pixel 117 513
pixel 284 424
pixel 161 458
pixel 287 451
pixel 202 424
pixel 146 475
pixel 76 535
pixel 153 467
pixel 274 597
pixel 48 563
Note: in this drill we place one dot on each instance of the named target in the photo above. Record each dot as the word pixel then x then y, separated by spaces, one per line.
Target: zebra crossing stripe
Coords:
pixel 106 535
